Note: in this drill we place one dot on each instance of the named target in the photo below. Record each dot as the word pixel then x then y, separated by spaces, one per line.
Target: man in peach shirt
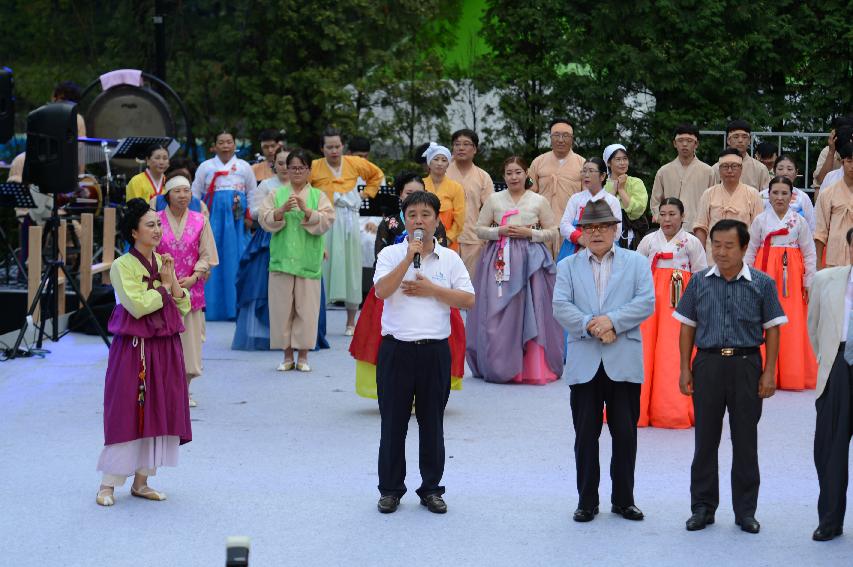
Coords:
pixel 753 172
pixel 730 199
pixel 685 178
pixel 478 188
pixel 834 215
pixel 556 174
pixel 271 141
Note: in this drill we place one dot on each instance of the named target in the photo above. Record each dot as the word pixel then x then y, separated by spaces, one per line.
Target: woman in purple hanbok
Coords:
pixel 511 332
pixel 146 406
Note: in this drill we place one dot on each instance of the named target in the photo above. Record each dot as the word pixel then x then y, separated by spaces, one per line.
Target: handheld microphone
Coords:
pixel 418 236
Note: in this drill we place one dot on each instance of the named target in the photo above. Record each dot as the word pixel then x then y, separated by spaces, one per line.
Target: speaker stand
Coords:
pixel 48 291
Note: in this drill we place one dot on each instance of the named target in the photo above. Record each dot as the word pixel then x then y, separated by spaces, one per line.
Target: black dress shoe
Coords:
pixel 700 518
pixel 749 524
pixel 434 503
pixel 823 533
pixel 582 515
pixel 388 503
pixel 628 512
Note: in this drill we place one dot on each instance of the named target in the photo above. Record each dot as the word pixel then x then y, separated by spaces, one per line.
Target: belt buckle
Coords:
pixel 727 351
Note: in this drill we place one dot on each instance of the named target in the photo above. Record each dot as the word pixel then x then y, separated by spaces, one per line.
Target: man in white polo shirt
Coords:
pixel 419 281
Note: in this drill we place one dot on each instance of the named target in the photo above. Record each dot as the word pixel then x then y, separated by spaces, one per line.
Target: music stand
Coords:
pixel 135 147
pixel 385 204
pixel 14 195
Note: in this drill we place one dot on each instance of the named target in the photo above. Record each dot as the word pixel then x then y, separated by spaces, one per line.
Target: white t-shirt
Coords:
pixel 417 318
pixel 832 177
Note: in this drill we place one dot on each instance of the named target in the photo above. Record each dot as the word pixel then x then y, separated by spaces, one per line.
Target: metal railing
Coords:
pixel 806 138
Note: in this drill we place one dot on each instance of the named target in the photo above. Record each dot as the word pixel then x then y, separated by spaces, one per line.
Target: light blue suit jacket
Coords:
pixel 628 301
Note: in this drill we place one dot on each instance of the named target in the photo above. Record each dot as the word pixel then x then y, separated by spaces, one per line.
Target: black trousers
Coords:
pixel 833 431
pixel 623 410
pixel 405 371
pixel 720 383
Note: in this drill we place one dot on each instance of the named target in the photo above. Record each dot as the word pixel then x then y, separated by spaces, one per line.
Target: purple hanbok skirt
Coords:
pixel 514 337
pixel 166 408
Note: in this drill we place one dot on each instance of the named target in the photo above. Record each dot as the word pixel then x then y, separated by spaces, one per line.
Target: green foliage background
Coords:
pixel 388 68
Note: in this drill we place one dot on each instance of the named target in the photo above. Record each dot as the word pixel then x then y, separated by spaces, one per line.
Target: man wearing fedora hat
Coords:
pixel 602 295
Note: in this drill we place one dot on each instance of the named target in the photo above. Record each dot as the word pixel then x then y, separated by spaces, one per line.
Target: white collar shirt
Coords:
pixel 417 318
pixel 848 305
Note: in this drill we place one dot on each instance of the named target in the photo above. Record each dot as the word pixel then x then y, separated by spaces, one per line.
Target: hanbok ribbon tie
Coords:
pixel 766 252
pixel 153 274
pixel 208 198
pixel 660 256
pixel 157 188
pixel 502 262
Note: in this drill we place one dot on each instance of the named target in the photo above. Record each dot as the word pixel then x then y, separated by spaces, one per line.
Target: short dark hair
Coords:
pixel 149 151
pixel 766 149
pixel 599 163
pixel 843 135
pixel 67 90
pixel 468 133
pixel 842 121
pixel 418 154
pixel 299 154
pixel 560 121
pixel 405 178
pixel 729 224
pixel 730 151
pixel 846 151
pixel 738 125
pixel 224 132
pixel 780 179
pixel 359 144
pixel 849 236
pixel 271 135
pixel 686 129
pixel 421 198
pixel 675 202
pixel 784 157
pixel 331 132
pixel 133 213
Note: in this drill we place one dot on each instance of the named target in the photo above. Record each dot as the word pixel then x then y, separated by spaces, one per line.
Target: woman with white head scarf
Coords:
pixel 187 237
pixel 632 195
pixel 450 193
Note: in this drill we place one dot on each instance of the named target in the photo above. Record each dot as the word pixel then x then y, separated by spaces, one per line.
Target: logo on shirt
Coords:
pixel 439 277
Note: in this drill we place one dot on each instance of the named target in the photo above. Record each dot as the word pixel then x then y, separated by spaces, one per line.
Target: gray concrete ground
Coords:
pixel 289 459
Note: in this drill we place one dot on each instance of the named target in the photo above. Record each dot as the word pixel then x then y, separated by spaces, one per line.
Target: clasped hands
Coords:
pixel 601 327
pixel 293 202
pixel 515 231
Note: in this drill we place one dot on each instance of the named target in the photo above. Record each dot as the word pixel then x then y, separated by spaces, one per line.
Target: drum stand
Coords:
pixel 48 291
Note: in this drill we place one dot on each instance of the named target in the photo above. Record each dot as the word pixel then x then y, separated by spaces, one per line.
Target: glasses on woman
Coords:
pixel 590 171
pixel 298 168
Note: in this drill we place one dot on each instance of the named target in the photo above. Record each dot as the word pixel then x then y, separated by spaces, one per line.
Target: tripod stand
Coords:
pixel 48 291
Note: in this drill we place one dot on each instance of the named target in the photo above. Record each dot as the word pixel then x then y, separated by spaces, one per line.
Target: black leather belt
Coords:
pixel 728 351
pixel 417 342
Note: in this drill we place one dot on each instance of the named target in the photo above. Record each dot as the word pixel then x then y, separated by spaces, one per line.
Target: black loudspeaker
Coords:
pixel 51 161
pixel 7 105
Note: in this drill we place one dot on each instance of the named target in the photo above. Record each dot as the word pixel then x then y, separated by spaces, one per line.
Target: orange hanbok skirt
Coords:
pixel 796 368
pixel 661 402
pixel 446 218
